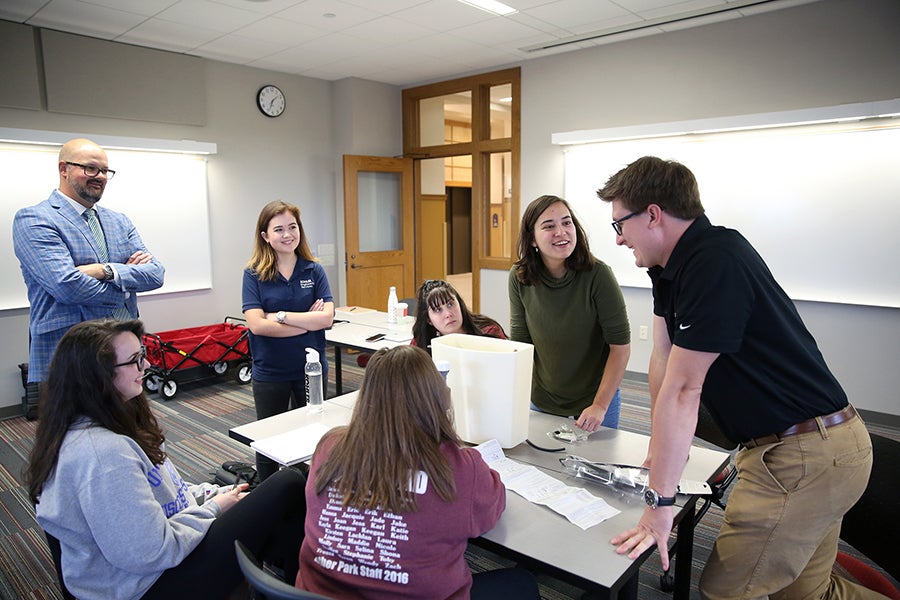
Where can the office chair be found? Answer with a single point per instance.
(268, 586)
(411, 305)
(709, 431)
(56, 555)
(864, 525)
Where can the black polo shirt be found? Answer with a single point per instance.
(717, 295)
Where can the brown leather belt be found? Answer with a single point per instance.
(808, 426)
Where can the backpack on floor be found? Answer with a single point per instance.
(235, 472)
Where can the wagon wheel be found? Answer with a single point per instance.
(220, 367)
(151, 382)
(242, 373)
(167, 389)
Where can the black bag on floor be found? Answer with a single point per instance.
(30, 399)
(235, 472)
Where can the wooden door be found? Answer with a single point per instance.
(378, 229)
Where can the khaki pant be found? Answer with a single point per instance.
(780, 532)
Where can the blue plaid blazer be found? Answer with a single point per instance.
(51, 239)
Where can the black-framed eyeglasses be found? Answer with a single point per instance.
(617, 224)
(137, 360)
(92, 171)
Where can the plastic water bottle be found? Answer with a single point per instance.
(392, 305)
(313, 372)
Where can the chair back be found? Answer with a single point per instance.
(56, 555)
(708, 430)
(411, 305)
(265, 585)
(863, 527)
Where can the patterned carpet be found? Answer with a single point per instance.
(196, 424)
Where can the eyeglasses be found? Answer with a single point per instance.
(617, 225)
(137, 360)
(92, 171)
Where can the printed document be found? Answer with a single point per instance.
(578, 505)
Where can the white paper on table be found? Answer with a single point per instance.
(578, 505)
(398, 336)
(291, 447)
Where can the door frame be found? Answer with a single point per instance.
(479, 148)
(405, 256)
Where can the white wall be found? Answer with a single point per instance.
(826, 53)
(258, 160)
(821, 54)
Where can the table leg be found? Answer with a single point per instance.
(684, 554)
(338, 375)
(628, 591)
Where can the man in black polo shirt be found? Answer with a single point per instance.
(726, 334)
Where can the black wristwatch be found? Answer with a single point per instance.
(654, 500)
(108, 272)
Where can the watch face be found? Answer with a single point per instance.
(270, 100)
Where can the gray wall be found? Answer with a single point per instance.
(294, 157)
(821, 54)
(826, 53)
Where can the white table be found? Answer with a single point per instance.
(537, 536)
(351, 330)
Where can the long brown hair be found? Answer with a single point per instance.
(400, 420)
(264, 261)
(80, 384)
(435, 293)
(530, 265)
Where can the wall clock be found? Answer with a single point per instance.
(270, 100)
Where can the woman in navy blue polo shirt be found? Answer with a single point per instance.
(288, 306)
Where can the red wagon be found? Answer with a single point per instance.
(194, 353)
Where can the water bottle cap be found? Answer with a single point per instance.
(312, 355)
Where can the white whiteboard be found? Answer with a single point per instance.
(821, 205)
(164, 195)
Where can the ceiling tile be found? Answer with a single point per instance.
(146, 8)
(168, 36)
(388, 29)
(316, 14)
(444, 15)
(394, 41)
(282, 30)
(266, 7)
(572, 13)
(238, 49)
(73, 16)
(217, 17)
(20, 10)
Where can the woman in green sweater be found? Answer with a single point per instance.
(569, 306)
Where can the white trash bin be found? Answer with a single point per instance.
(490, 386)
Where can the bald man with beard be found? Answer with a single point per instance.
(74, 272)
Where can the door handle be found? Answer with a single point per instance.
(354, 266)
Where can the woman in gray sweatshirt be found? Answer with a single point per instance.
(128, 525)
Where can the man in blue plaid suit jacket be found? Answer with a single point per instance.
(70, 275)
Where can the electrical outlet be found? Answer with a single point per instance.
(644, 332)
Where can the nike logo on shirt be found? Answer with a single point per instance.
(682, 327)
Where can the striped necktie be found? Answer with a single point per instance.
(120, 312)
(94, 223)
